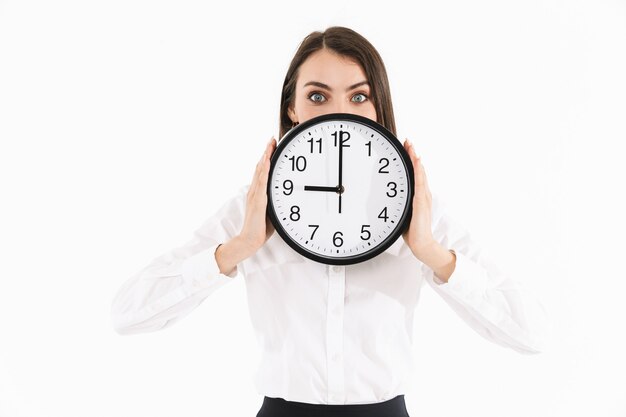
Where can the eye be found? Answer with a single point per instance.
(317, 97)
(360, 98)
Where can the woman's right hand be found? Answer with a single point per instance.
(257, 227)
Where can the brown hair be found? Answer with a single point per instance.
(348, 43)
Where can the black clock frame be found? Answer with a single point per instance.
(405, 219)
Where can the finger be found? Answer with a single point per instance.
(265, 168)
(271, 146)
(411, 150)
(425, 181)
(421, 181)
(259, 181)
(269, 150)
(418, 170)
(407, 147)
(426, 187)
(266, 152)
(255, 178)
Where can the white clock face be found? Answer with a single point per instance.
(332, 214)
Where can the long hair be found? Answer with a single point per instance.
(348, 43)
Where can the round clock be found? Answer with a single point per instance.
(340, 188)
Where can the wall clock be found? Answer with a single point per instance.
(340, 188)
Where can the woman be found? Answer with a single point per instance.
(333, 338)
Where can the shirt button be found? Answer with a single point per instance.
(336, 268)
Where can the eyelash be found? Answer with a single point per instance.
(318, 102)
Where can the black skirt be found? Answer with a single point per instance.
(279, 407)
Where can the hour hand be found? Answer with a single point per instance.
(320, 188)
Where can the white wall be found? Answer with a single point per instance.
(124, 124)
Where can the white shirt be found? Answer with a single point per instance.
(331, 334)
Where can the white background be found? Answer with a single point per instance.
(125, 124)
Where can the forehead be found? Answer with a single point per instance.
(330, 68)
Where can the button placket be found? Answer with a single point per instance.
(334, 334)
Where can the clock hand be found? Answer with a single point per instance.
(340, 186)
(339, 203)
(320, 188)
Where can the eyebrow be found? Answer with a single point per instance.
(322, 85)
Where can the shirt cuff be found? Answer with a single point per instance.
(468, 278)
(202, 268)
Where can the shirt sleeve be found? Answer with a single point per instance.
(496, 306)
(176, 282)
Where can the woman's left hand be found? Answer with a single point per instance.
(419, 234)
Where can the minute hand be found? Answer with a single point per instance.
(340, 186)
